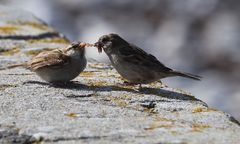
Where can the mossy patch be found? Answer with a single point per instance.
(100, 66)
(127, 96)
(96, 65)
(35, 25)
(164, 119)
(202, 109)
(151, 110)
(156, 125)
(161, 122)
(5, 86)
(97, 83)
(50, 40)
(72, 115)
(87, 74)
(196, 127)
(175, 133)
(117, 101)
(98, 73)
(11, 51)
(114, 76)
(8, 29)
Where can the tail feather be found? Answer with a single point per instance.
(186, 75)
(14, 66)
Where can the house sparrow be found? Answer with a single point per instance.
(134, 64)
(59, 65)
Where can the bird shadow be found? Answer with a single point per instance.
(168, 94)
(74, 85)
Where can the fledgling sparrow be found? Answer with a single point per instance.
(59, 65)
(134, 64)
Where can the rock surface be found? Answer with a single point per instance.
(94, 108)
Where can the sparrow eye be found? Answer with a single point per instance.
(104, 40)
(75, 45)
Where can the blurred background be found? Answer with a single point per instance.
(197, 36)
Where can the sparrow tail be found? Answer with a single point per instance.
(14, 66)
(186, 75)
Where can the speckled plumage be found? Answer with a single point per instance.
(58, 65)
(133, 63)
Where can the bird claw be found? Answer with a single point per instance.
(125, 83)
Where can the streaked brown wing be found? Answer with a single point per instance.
(136, 55)
(55, 59)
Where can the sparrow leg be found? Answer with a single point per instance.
(126, 83)
(140, 86)
(162, 85)
(160, 82)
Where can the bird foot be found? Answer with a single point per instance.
(162, 85)
(126, 83)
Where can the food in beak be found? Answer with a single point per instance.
(83, 45)
(99, 46)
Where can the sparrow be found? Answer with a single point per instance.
(134, 64)
(58, 65)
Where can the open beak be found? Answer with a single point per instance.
(99, 46)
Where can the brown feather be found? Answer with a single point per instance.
(54, 58)
(136, 55)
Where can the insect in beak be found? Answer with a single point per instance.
(84, 45)
(99, 46)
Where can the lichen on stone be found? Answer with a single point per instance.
(198, 127)
(12, 51)
(49, 40)
(160, 124)
(8, 29)
(97, 83)
(5, 86)
(87, 74)
(203, 109)
(35, 25)
(72, 115)
(117, 101)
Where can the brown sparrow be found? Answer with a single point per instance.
(59, 65)
(134, 64)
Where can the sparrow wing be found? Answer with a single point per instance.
(55, 58)
(136, 55)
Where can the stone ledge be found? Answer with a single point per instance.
(95, 107)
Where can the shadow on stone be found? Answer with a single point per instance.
(168, 94)
(36, 82)
(151, 91)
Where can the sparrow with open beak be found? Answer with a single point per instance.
(59, 65)
(134, 64)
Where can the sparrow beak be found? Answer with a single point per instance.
(99, 46)
(82, 45)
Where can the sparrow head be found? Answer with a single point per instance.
(76, 48)
(110, 43)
